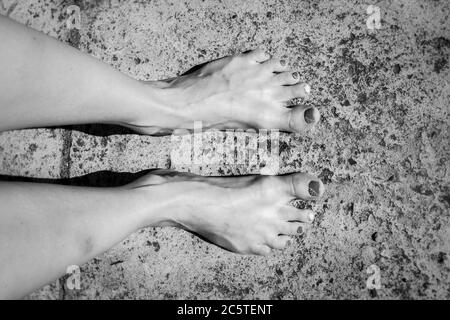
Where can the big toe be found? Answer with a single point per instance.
(304, 186)
(298, 118)
(257, 55)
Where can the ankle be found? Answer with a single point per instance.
(156, 205)
(154, 106)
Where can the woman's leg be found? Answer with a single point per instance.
(46, 228)
(44, 82)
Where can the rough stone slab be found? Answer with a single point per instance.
(32, 153)
(47, 153)
(382, 146)
(117, 153)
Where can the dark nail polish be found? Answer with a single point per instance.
(314, 188)
(288, 243)
(295, 75)
(309, 115)
(283, 63)
(300, 230)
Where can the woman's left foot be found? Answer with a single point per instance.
(248, 90)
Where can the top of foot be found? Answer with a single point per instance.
(247, 215)
(247, 90)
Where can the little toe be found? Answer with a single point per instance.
(286, 78)
(257, 55)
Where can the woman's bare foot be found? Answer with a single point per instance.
(248, 215)
(248, 90)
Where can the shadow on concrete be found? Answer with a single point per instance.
(101, 130)
(96, 179)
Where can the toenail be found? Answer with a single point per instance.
(288, 243)
(309, 115)
(295, 75)
(299, 230)
(282, 63)
(307, 88)
(314, 188)
(311, 216)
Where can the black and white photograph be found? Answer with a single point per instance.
(224, 150)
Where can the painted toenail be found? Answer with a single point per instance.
(300, 230)
(282, 63)
(314, 188)
(309, 115)
(295, 75)
(288, 243)
(307, 88)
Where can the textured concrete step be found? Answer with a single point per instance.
(39, 153)
(59, 153)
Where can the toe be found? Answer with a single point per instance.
(276, 65)
(300, 118)
(291, 228)
(280, 242)
(286, 93)
(311, 115)
(297, 119)
(290, 213)
(293, 119)
(303, 186)
(257, 55)
(286, 78)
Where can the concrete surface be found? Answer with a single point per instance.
(65, 154)
(382, 147)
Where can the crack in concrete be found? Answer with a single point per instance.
(65, 166)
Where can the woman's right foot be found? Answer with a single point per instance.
(248, 90)
(248, 215)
